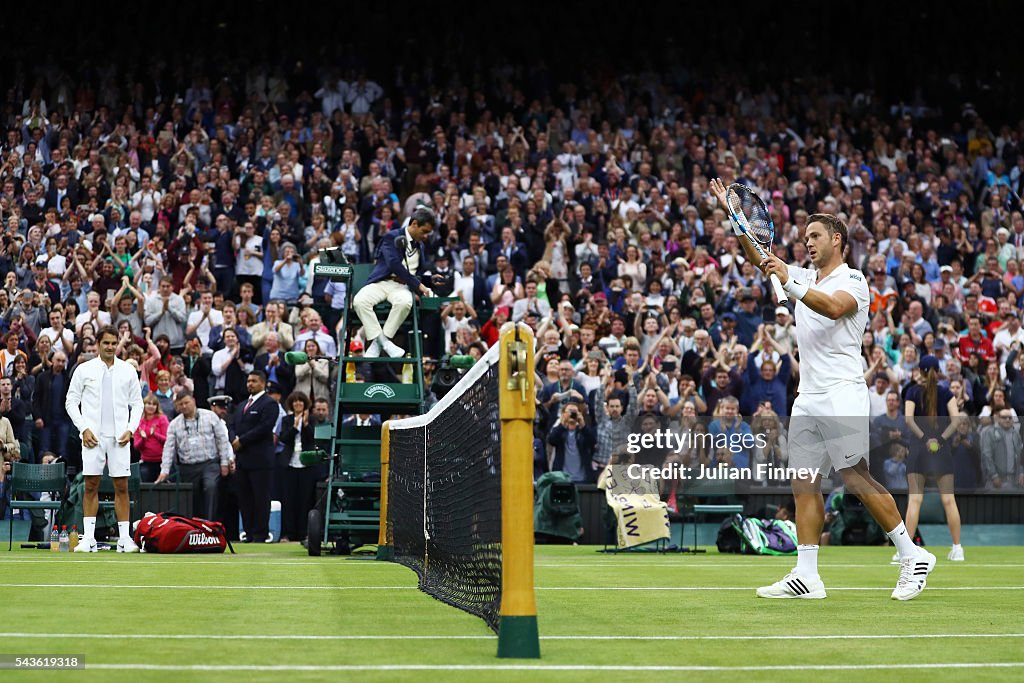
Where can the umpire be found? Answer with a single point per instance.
(401, 260)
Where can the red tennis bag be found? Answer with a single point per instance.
(164, 532)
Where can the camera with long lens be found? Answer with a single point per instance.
(449, 371)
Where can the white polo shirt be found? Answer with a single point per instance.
(830, 350)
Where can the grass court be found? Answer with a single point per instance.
(271, 613)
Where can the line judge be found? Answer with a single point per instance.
(105, 403)
(395, 278)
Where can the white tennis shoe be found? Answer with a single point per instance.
(794, 585)
(373, 350)
(956, 554)
(391, 348)
(914, 573)
(126, 545)
(86, 545)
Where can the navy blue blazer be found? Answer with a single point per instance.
(254, 428)
(391, 261)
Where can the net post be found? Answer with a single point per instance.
(384, 549)
(517, 627)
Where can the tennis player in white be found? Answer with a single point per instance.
(829, 421)
(105, 403)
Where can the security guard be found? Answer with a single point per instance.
(443, 279)
(227, 493)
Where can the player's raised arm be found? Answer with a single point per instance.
(833, 306)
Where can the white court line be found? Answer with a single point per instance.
(223, 563)
(772, 563)
(748, 588)
(769, 562)
(206, 587)
(783, 561)
(292, 636)
(542, 667)
(539, 588)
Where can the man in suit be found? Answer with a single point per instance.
(62, 187)
(273, 322)
(362, 420)
(472, 287)
(271, 362)
(230, 208)
(513, 250)
(394, 279)
(48, 401)
(254, 456)
(104, 402)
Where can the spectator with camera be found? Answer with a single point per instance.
(573, 440)
(230, 366)
(557, 395)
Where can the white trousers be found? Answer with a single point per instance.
(397, 293)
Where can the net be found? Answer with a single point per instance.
(749, 207)
(444, 494)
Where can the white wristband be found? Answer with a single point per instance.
(795, 289)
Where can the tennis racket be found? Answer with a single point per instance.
(750, 213)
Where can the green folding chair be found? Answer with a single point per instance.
(29, 478)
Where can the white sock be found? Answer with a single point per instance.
(90, 528)
(122, 531)
(807, 561)
(956, 546)
(902, 540)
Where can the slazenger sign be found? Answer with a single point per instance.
(332, 269)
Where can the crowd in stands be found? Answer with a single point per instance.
(190, 218)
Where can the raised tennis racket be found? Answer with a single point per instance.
(750, 213)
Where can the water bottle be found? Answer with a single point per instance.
(54, 539)
(63, 539)
(350, 373)
(73, 538)
(407, 372)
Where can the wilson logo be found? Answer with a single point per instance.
(202, 539)
(375, 389)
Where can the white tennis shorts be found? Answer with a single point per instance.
(830, 430)
(107, 452)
